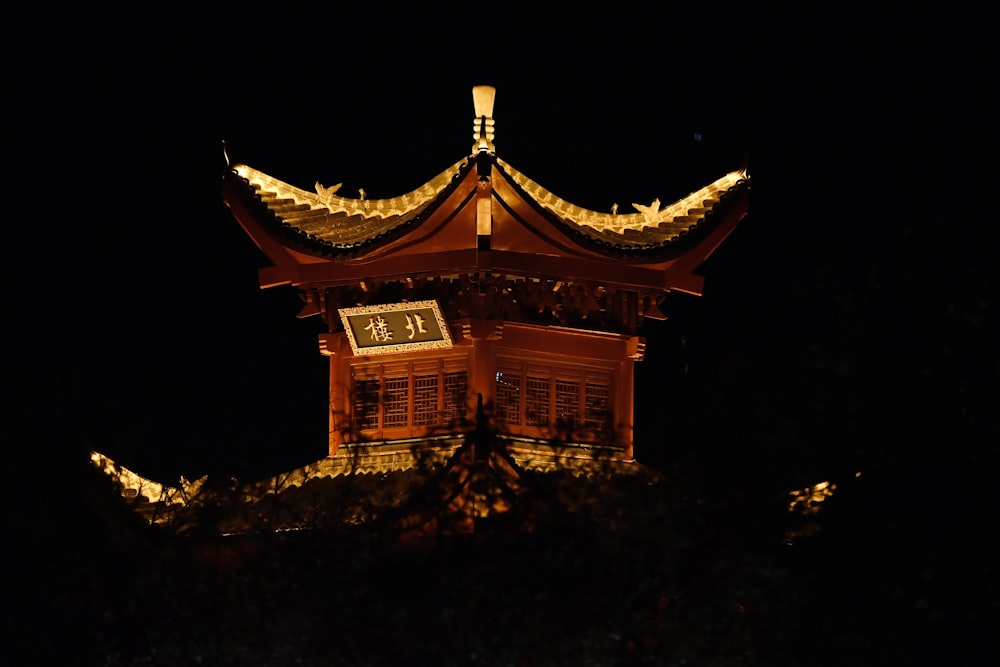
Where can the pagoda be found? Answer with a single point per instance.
(481, 295)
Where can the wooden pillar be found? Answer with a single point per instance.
(626, 396)
(635, 351)
(483, 334)
(333, 346)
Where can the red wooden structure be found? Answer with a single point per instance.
(481, 283)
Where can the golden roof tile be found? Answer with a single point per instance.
(652, 226)
(329, 218)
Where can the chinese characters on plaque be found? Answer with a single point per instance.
(396, 327)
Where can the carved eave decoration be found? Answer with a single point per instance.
(300, 231)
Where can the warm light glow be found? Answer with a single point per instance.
(482, 99)
(328, 198)
(648, 216)
(165, 504)
(484, 216)
(483, 127)
(135, 487)
(807, 500)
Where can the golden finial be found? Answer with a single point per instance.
(483, 129)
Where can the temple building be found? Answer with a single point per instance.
(481, 295)
(477, 329)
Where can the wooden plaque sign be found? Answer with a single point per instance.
(395, 327)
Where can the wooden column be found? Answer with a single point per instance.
(483, 334)
(333, 346)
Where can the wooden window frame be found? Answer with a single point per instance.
(396, 379)
(579, 420)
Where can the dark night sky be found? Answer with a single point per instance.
(849, 323)
(158, 348)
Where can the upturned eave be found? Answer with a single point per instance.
(433, 231)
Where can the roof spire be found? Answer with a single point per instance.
(482, 99)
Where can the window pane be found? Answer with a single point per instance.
(425, 400)
(508, 408)
(366, 396)
(567, 401)
(397, 399)
(597, 406)
(456, 388)
(536, 404)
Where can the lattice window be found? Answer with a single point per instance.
(397, 402)
(425, 400)
(573, 398)
(597, 406)
(536, 401)
(366, 400)
(508, 401)
(403, 396)
(567, 401)
(456, 389)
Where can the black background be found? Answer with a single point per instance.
(848, 323)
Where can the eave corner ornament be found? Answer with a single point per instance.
(651, 213)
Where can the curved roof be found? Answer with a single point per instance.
(324, 222)
(328, 221)
(652, 227)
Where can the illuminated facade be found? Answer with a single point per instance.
(481, 284)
